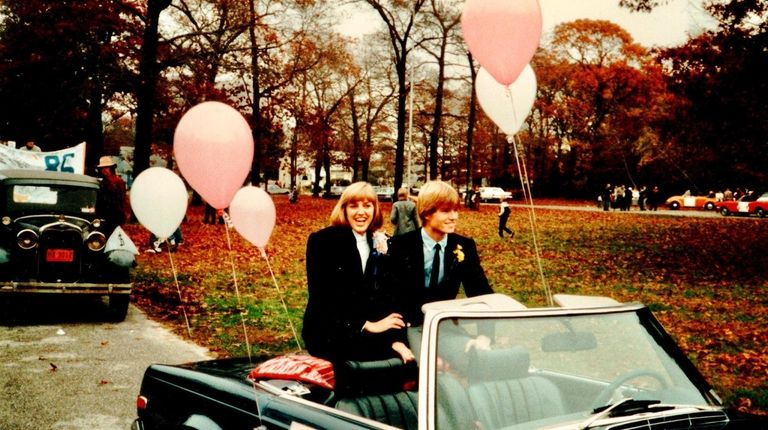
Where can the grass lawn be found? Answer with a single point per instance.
(704, 278)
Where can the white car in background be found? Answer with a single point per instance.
(496, 194)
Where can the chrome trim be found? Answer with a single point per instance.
(27, 230)
(102, 241)
(69, 217)
(60, 223)
(67, 288)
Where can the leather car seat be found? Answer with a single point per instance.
(503, 392)
(378, 390)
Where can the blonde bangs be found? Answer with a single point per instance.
(359, 191)
(434, 196)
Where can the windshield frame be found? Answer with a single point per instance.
(429, 346)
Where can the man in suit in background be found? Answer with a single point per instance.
(431, 263)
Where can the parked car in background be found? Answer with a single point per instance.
(276, 189)
(754, 203)
(385, 194)
(52, 240)
(493, 194)
(685, 201)
(591, 363)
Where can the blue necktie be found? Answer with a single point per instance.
(434, 277)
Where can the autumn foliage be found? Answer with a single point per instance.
(704, 278)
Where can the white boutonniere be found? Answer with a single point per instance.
(459, 253)
(380, 242)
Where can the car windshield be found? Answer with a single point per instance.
(547, 370)
(43, 198)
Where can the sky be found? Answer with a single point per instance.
(668, 25)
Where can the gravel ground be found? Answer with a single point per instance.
(63, 368)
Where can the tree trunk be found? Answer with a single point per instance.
(472, 118)
(146, 93)
(95, 140)
(255, 113)
(356, 145)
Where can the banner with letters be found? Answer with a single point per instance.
(69, 160)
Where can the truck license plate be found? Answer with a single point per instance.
(60, 255)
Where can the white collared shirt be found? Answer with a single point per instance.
(362, 248)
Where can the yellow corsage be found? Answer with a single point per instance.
(458, 253)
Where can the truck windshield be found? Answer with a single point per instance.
(65, 199)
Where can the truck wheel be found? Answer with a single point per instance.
(118, 307)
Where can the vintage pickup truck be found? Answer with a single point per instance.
(53, 241)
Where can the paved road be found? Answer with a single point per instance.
(634, 211)
(63, 368)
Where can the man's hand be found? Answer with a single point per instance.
(480, 343)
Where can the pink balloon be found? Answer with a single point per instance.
(502, 35)
(253, 215)
(213, 145)
(507, 106)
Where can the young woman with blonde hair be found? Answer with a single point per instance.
(346, 316)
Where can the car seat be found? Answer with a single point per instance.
(380, 390)
(503, 392)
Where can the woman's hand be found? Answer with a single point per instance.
(405, 353)
(380, 242)
(391, 321)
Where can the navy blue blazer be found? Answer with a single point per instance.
(342, 298)
(405, 282)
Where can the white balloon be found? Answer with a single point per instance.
(253, 215)
(507, 106)
(159, 200)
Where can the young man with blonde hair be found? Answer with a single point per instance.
(431, 263)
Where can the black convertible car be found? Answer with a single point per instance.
(591, 363)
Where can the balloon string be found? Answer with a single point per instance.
(227, 223)
(282, 299)
(508, 92)
(528, 196)
(178, 289)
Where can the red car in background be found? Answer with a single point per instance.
(752, 203)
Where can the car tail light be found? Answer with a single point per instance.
(26, 239)
(96, 241)
(141, 402)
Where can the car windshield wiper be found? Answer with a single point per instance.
(625, 406)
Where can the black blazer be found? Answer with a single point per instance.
(342, 298)
(406, 270)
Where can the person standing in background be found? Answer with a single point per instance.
(30, 146)
(504, 212)
(404, 213)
